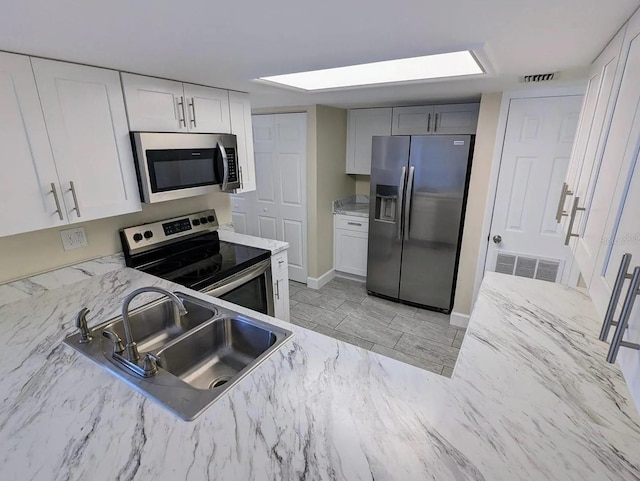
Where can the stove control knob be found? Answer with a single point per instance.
(148, 234)
(211, 218)
(137, 237)
(195, 221)
(203, 220)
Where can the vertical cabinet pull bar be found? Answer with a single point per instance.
(403, 174)
(278, 289)
(572, 218)
(182, 119)
(563, 196)
(435, 124)
(617, 342)
(55, 197)
(615, 297)
(428, 122)
(193, 111)
(75, 198)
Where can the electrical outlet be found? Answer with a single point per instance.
(73, 238)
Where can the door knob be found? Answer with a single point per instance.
(497, 239)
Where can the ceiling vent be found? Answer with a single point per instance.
(540, 77)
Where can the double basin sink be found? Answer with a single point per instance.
(199, 355)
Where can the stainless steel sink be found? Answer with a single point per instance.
(156, 324)
(216, 352)
(200, 356)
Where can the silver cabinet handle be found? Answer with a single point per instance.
(623, 273)
(407, 206)
(563, 196)
(278, 289)
(75, 198)
(403, 175)
(617, 342)
(572, 219)
(55, 197)
(280, 261)
(241, 177)
(183, 119)
(354, 223)
(225, 167)
(192, 104)
(428, 122)
(435, 124)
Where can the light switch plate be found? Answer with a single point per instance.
(73, 238)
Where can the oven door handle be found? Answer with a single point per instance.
(220, 288)
(225, 166)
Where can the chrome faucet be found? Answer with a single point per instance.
(132, 356)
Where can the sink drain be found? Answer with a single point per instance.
(219, 382)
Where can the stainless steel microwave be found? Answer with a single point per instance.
(174, 165)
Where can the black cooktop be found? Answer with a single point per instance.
(198, 262)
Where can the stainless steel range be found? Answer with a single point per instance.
(188, 251)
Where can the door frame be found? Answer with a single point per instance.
(507, 96)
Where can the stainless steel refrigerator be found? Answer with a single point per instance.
(418, 198)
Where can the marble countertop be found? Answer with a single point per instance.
(356, 205)
(531, 398)
(275, 246)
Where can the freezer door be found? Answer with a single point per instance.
(435, 196)
(389, 166)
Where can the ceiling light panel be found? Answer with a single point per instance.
(446, 65)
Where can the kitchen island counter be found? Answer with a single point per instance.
(531, 398)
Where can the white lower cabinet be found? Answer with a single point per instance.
(280, 276)
(350, 244)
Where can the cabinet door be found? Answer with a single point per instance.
(455, 119)
(207, 109)
(26, 197)
(363, 125)
(351, 251)
(153, 104)
(596, 223)
(241, 127)
(412, 120)
(87, 124)
(589, 147)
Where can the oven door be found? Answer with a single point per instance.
(173, 166)
(251, 288)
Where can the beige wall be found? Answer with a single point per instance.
(363, 184)
(478, 190)
(34, 252)
(332, 182)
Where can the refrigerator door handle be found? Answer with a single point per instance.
(407, 207)
(403, 174)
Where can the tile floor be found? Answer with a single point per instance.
(343, 310)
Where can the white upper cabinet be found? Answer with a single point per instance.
(85, 117)
(241, 127)
(363, 124)
(435, 119)
(153, 104)
(30, 187)
(159, 105)
(412, 120)
(455, 119)
(207, 109)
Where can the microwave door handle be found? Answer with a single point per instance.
(225, 166)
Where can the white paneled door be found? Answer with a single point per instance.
(525, 238)
(278, 207)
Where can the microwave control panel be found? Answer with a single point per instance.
(233, 165)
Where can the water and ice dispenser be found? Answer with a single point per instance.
(386, 202)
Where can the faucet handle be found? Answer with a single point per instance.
(149, 365)
(81, 324)
(115, 339)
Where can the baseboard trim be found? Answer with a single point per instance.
(353, 277)
(318, 282)
(459, 320)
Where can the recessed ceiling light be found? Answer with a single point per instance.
(443, 65)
